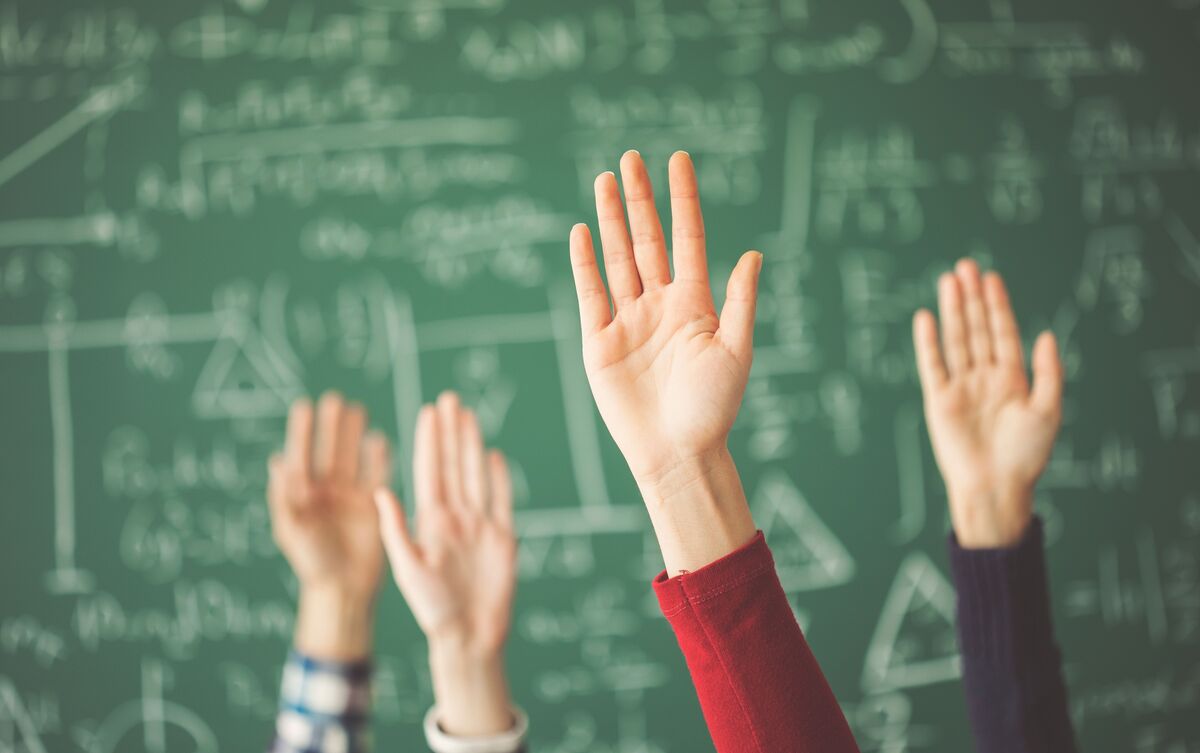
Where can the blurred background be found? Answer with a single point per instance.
(208, 209)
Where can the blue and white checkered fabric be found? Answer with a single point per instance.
(323, 707)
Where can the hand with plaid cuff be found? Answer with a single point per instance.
(457, 570)
(323, 520)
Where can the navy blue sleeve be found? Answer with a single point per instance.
(1012, 667)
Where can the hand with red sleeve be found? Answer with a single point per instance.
(668, 374)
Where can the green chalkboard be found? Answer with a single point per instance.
(207, 209)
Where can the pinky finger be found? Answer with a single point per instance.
(500, 483)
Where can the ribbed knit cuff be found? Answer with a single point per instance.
(1004, 601)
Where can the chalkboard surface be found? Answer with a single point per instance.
(207, 209)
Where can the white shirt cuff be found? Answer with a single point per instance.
(505, 742)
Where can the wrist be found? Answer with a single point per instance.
(698, 509)
(334, 624)
(470, 688)
(991, 517)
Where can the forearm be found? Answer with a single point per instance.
(1011, 664)
(699, 511)
(334, 625)
(325, 695)
(470, 690)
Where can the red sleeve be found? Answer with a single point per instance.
(759, 685)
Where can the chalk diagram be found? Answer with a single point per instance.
(807, 554)
(914, 642)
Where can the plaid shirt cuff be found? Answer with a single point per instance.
(323, 707)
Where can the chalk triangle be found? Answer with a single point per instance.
(808, 556)
(243, 378)
(914, 642)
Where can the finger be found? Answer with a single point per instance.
(1006, 338)
(329, 419)
(347, 460)
(687, 223)
(474, 478)
(427, 466)
(298, 445)
(954, 324)
(1046, 396)
(288, 492)
(930, 367)
(277, 468)
(500, 487)
(451, 456)
(393, 529)
(741, 297)
(594, 310)
(376, 461)
(649, 245)
(623, 281)
(979, 336)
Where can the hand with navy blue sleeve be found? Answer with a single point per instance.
(993, 431)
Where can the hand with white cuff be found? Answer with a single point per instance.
(457, 572)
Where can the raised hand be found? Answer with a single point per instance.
(666, 371)
(458, 572)
(323, 520)
(992, 433)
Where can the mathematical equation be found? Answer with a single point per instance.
(207, 212)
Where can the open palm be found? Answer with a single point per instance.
(667, 373)
(992, 433)
(320, 496)
(458, 572)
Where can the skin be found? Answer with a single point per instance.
(667, 372)
(457, 568)
(323, 520)
(992, 430)
(332, 516)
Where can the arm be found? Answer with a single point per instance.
(992, 435)
(322, 518)
(668, 375)
(458, 575)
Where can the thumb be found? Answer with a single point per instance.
(393, 529)
(741, 298)
(1046, 396)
